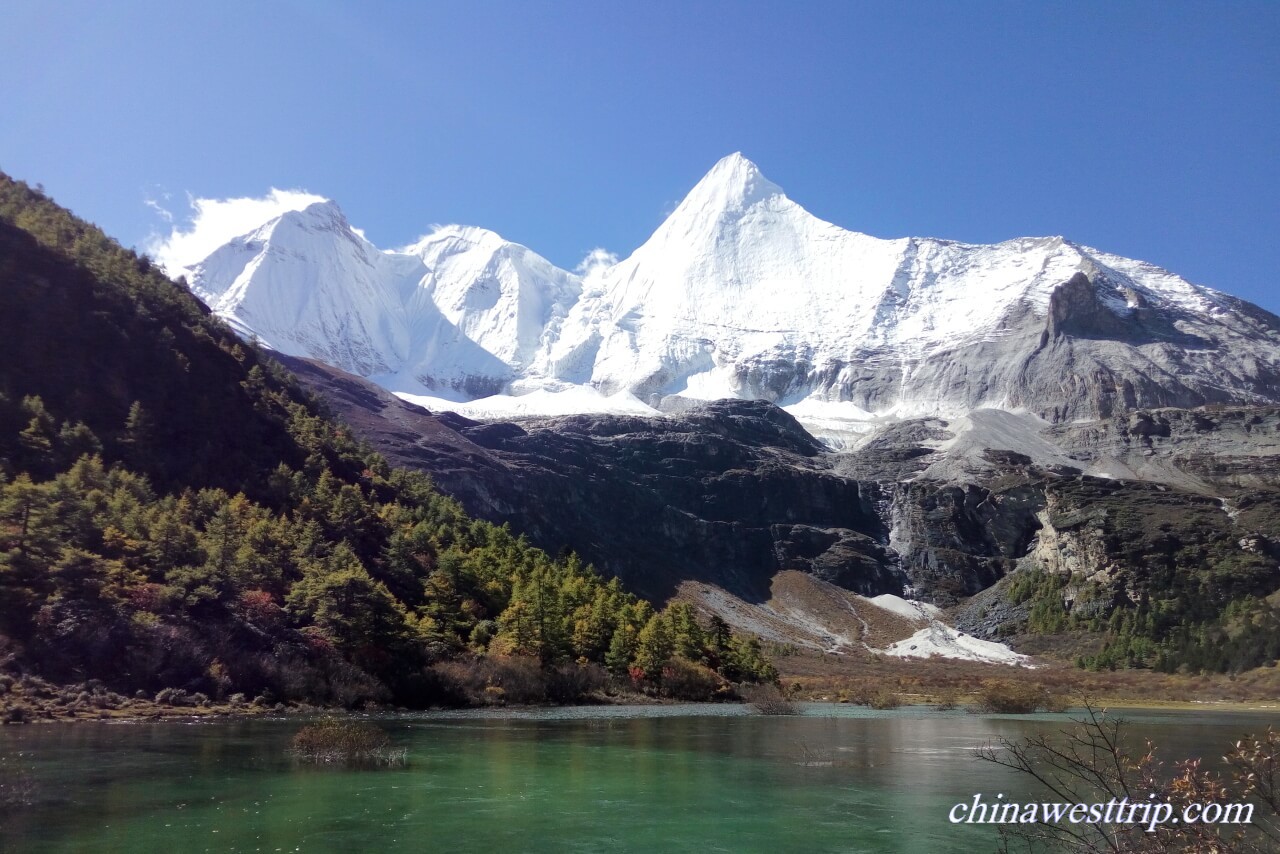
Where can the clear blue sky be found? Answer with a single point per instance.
(1150, 129)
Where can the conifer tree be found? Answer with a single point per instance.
(654, 647)
(36, 440)
(686, 634)
(139, 433)
(622, 648)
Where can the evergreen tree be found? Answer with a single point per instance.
(622, 648)
(654, 648)
(139, 433)
(76, 441)
(37, 438)
(687, 635)
(357, 613)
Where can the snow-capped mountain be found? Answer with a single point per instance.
(307, 284)
(462, 312)
(742, 293)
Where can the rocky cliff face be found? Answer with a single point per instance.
(1213, 449)
(731, 493)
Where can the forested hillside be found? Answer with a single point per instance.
(175, 513)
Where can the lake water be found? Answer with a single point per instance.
(652, 779)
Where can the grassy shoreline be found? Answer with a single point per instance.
(45, 702)
(863, 681)
(149, 711)
(854, 678)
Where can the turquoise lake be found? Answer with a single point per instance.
(665, 778)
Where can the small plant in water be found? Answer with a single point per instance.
(814, 757)
(766, 699)
(332, 741)
(882, 700)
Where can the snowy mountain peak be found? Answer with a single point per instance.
(742, 293)
(327, 210)
(733, 185)
(292, 226)
(315, 215)
(452, 239)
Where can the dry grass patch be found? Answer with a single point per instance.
(332, 741)
(857, 677)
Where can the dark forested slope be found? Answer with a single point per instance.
(176, 513)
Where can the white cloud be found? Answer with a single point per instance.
(161, 211)
(213, 222)
(596, 260)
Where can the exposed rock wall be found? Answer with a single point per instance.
(731, 493)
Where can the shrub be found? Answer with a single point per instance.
(492, 681)
(1010, 698)
(860, 695)
(259, 607)
(350, 686)
(885, 700)
(947, 698)
(173, 697)
(1052, 702)
(569, 682)
(333, 741)
(17, 715)
(766, 699)
(688, 680)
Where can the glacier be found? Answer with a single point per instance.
(741, 293)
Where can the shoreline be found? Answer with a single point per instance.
(40, 702)
(966, 686)
(148, 711)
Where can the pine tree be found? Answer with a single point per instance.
(76, 441)
(139, 434)
(443, 602)
(622, 648)
(593, 627)
(357, 613)
(718, 639)
(36, 440)
(687, 635)
(654, 648)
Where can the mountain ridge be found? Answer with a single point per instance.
(741, 293)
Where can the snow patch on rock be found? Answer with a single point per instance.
(943, 641)
(571, 400)
(909, 608)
